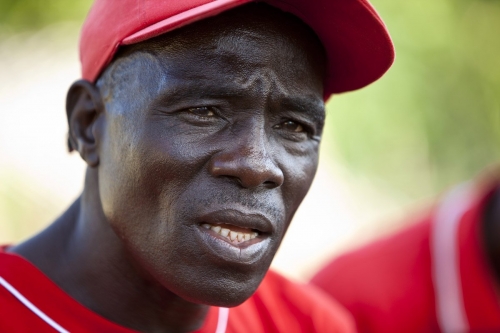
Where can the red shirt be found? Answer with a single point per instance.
(430, 277)
(30, 302)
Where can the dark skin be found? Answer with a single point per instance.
(217, 123)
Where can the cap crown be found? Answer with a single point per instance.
(358, 46)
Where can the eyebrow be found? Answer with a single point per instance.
(178, 91)
(310, 106)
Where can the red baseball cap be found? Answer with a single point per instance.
(358, 45)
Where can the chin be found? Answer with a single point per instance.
(228, 291)
(227, 299)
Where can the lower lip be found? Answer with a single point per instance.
(246, 253)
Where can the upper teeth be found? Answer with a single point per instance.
(233, 236)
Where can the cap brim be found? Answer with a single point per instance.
(192, 15)
(359, 48)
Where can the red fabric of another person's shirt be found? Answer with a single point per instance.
(388, 285)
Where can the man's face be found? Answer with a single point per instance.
(210, 143)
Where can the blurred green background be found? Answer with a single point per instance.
(31, 15)
(433, 120)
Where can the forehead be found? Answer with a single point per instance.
(251, 45)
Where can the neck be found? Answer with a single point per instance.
(90, 262)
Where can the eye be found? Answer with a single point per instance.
(202, 111)
(290, 126)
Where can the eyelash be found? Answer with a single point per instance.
(306, 129)
(211, 109)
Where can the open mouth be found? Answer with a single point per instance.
(232, 234)
(236, 236)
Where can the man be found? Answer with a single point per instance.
(200, 124)
(441, 274)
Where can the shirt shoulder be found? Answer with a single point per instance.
(281, 305)
(15, 316)
(386, 284)
(31, 302)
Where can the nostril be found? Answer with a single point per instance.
(237, 180)
(249, 171)
(269, 184)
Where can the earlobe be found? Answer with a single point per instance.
(83, 109)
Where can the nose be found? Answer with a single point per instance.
(248, 160)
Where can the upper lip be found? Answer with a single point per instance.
(256, 221)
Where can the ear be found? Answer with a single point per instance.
(83, 109)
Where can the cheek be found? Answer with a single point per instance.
(140, 178)
(145, 166)
(298, 179)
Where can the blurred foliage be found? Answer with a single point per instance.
(434, 119)
(24, 208)
(29, 15)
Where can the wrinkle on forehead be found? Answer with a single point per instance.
(262, 55)
(265, 81)
(266, 57)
